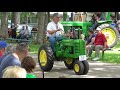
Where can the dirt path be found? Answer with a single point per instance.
(97, 70)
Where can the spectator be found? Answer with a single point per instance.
(10, 32)
(21, 33)
(27, 33)
(14, 72)
(9, 50)
(14, 28)
(99, 44)
(29, 64)
(97, 18)
(54, 29)
(14, 58)
(3, 46)
(90, 42)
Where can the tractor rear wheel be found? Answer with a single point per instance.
(69, 63)
(45, 57)
(86, 67)
(78, 67)
(110, 33)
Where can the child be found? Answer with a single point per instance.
(14, 72)
(29, 64)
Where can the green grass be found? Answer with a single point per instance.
(111, 56)
(34, 48)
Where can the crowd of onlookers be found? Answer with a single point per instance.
(23, 33)
(15, 62)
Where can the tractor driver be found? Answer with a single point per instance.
(97, 18)
(55, 30)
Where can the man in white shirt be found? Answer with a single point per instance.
(55, 30)
(21, 33)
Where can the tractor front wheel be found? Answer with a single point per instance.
(86, 67)
(45, 58)
(78, 67)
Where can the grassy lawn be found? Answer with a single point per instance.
(111, 56)
(34, 48)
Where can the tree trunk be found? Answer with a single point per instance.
(4, 24)
(48, 13)
(26, 19)
(16, 18)
(46, 21)
(40, 31)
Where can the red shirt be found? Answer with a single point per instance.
(100, 40)
(1, 54)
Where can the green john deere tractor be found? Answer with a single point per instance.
(70, 50)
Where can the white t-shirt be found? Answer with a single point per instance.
(22, 31)
(27, 32)
(53, 26)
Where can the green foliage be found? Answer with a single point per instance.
(34, 48)
(24, 15)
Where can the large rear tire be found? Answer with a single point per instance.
(45, 58)
(111, 34)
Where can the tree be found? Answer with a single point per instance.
(41, 24)
(16, 18)
(4, 24)
(25, 17)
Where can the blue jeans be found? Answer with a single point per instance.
(52, 40)
(95, 25)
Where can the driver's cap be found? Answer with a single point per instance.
(56, 15)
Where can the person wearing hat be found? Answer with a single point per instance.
(3, 46)
(100, 43)
(15, 58)
(55, 30)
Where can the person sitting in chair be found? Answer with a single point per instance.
(21, 33)
(27, 33)
(90, 41)
(100, 43)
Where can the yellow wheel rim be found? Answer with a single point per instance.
(43, 57)
(110, 35)
(69, 61)
(76, 67)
